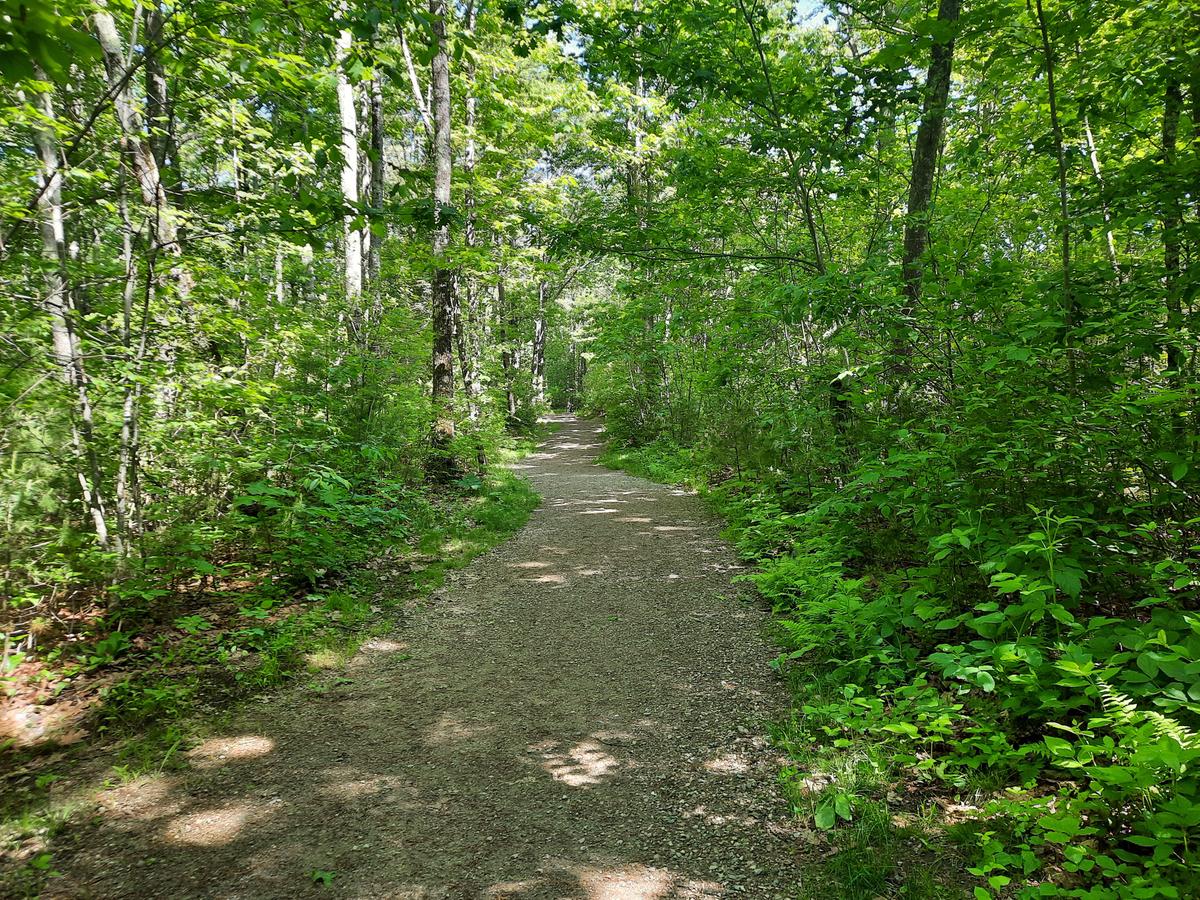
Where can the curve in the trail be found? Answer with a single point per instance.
(577, 715)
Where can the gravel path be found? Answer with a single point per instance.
(577, 715)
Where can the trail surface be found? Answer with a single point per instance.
(577, 715)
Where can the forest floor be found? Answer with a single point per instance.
(579, 713)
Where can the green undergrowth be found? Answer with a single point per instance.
(967, 718)
(169, 685)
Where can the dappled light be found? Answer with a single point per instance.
(627, 883)
(504, 744)
(220, 750)
(586, 763)
(212, 827)
(451, 729)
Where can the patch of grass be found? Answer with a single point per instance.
(663, 462)
(877, 857)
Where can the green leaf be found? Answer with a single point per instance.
(825, 816)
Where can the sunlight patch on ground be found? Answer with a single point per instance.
(727, 764)
(450, 729)
(547, 579)
(220, 750)
(585, 764)
(325, 658)
(383, 645)
(531, 564)
(212, 827)
(634, 520)
(626, 883)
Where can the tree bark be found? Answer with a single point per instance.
(1110, 243)
(1070, 304)
(539, 348)
(443, 276)
(470, 343)
(68, 356)
(925, 160)
(509, 363)
(377, 175)
(352, 237)
(138, 149)
(160, 118)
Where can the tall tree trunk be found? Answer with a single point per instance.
(470, 338)
(68, 357)
(377, 174)
(352, 237)
(924, 167)
(127, 485)
(138, 149)
(509, 362)
(159, 114)
(539, 348)
(1070, 303)
(136, 145)
(443, 276)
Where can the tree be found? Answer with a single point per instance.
(443, 294)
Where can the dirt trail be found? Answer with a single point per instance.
(577, 715)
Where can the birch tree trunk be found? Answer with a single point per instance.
(539, 348)
(509, 362)
(65, 347)
(443, 277)
(470, 347)
(353, 241)
(137, 146)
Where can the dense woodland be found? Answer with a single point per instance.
(909, 290)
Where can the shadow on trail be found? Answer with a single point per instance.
(575, 717)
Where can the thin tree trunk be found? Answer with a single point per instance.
(159, 114)
(137, 149)
(141, 156)
(508, 358)
(799, 184)
(470, 340)
(68, 357)
(924, 167)
(443, 276)
(377, 175)
(1070, 306)
(352, 237)
(127, 486)
(1110, 244)
(539, 348)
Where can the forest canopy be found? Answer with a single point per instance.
(909, 289)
